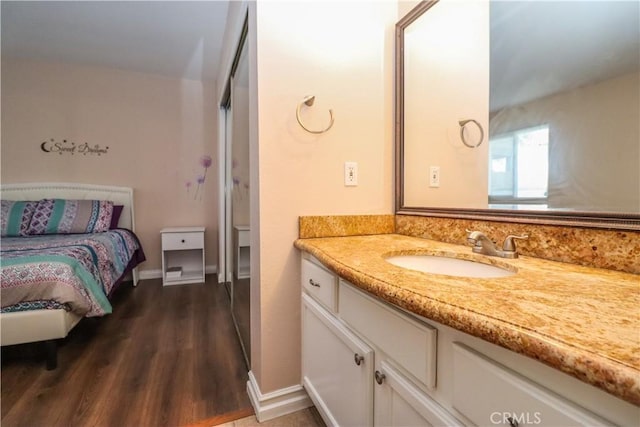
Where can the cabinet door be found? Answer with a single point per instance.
(400, 403)
(337, 368)
(491, 394)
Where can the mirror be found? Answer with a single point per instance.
(553, 89)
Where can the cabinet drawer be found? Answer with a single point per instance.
(243, 238)
(319, 283)
(411, 344)
(176, 241)
(488, 393)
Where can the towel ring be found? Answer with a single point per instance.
(462, 124)
(308, 100)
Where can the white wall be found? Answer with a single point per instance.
(343, 54)
(157, 128)
(446, 79)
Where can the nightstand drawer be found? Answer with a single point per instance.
(177, 241)
(243, 238)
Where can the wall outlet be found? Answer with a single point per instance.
(434, 176)
(350, 174)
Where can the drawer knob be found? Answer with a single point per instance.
(312, 283)
(379, 377)
(182, 240)
(358, 359)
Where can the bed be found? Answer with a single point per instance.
(51, 281)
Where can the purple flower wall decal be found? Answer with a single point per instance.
(205, 162)
(200, 180)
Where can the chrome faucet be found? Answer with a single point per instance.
(483, 245)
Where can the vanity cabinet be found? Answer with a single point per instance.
(337, 368)
(410, 343)
(377, 355)
(398, 402)
(414, 371)
(405, 351)
(489, 393)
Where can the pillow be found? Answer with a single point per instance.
(60, 216)
(115, 218)
(15, 217)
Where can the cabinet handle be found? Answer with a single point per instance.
(512, 422)
(358, 359)
(312, 283)
(380, 377)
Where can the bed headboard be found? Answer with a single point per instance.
(62, 190)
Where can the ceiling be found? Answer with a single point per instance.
(590, 40)
(181, 39)
(539, 48)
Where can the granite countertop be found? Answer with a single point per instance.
(583, 321)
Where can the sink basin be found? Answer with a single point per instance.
(448, 266)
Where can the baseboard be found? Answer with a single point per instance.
(150, 274)
(157, 273)
(276, 403)
(223, 419)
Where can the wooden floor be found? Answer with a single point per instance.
(167, 356)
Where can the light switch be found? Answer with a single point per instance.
(434, 176)
(350, 174)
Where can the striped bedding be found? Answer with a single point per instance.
(76, 272)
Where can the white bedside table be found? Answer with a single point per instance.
(182, 250)
(242, 245)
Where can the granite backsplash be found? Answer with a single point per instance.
(593, 247)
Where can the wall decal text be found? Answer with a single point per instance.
(69, 147)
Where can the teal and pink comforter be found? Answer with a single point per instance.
(77, 272)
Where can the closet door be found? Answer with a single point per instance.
(240, 207)
(234, 209)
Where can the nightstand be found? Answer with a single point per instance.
(242, 247)
(182, 255)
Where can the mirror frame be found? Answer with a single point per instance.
(610, 220)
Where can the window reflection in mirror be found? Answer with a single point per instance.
(519, 168)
